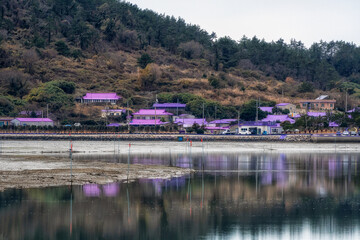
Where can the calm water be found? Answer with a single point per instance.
(265, 195)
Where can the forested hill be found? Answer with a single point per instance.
(107, 45)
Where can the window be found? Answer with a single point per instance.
(304, 104)
(331, 105)
(322, 105)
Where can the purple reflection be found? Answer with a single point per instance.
(91, 190)
(111, 189)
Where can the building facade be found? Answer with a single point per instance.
(152, 114)
(318, 104)
(32, 122)
(5, 121)
(112, 112)
(175, 108)
(100, 98)
(287, 106)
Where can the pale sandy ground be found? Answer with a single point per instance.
(98, 147)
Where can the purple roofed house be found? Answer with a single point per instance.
(316, 114)
(266, 109)
(146, 122)
(333, 124)
(100, 98)
(221, 124)
(189, 122)
(287, 106)
(278, 118)
(32, 122)
(113, 125)
(175, 108)
(147, 114)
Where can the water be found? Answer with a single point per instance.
(234, 195)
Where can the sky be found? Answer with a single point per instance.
(308, 21)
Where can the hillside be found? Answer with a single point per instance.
(106, 45)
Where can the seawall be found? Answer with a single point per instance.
(158, 137)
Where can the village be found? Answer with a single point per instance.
(175, 117)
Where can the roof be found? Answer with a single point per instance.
(259, 123)
(144, 122)
(266, 109)
(191, 121)
(186, 115)
(282, 104)
(278, 118)
(113, 110)
(34, 119)
(321, 97)
(107, 96)
(333, 124)
(216, 128)
(169, 105)
(152, 112)
(6, 118)
(223, 121)
(113, 125)
(316, 114)
(318, 101)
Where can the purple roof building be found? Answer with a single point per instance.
(146, 122)
(266, 109)
(32, 122)
(175, 108)
(278, 118)
(189, 122)
(149, 114)
(100, 98)
(316, 114)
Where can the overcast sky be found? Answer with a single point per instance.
(306, 20)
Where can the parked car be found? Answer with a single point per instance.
(345, 133)
(245, 133)
(353, 133)
(77, 124)
(228, 132)
(338, 133)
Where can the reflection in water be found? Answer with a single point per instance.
(247, 196)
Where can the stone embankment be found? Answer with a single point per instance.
(160, 137)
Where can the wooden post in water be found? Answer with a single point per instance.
(128, 161)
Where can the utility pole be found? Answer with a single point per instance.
(215, 111)
(47, 110)
(127, 115)
(238, 121)
(177, 107)
(203, 114)
(346, 101)
(156, 101)
(257, 111)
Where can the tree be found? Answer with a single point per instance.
(149, 76)
(30, 58)
(62, 48)
(248, 111)
(306, 87)
(144, 60)
(15, 82)
(50, 93)
(191, 49)
(110, 31)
